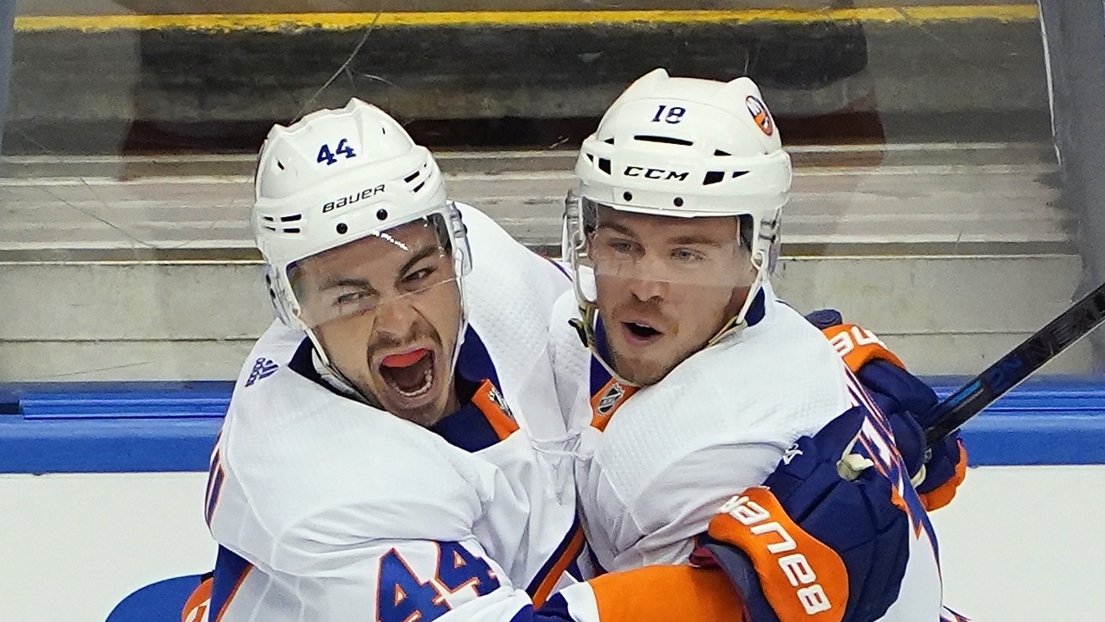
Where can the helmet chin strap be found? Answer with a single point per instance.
(585, 328)
(588, 313)
(738, 322)
(330, 374)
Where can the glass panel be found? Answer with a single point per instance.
(928, 202)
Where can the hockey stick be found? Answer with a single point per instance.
(1011, 369)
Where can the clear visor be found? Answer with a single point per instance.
(702, 252)
(416, 262)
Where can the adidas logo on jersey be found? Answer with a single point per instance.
(262, 368)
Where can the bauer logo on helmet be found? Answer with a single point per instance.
(352, 198)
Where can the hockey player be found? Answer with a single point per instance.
(701, 384)
(394, 449)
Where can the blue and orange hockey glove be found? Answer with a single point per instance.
(811, 544)
(905, 399)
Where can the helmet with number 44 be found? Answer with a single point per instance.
(365, 254)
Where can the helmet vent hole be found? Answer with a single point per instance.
(268, 228)
(609, 141)
(268, 219)
(713, 177)
(292, 230)
(628, 196)
(342, 228)
(667, 140)
(604, 165)
(411, 177)
(678, 201)
(719, 152)
(279, 165)
(381, 214)
(292, 218)
(590, 157)
(419, 187)
(737, 174)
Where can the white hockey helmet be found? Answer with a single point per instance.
(684, 147)
(338, 176)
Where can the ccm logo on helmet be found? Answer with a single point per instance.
(353, 198)
(653, 173)
(778, 542)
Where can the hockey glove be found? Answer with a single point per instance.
(811, 545)
(905, 399)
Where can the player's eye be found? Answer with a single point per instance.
(358, 297)
(419, 276)
(622, 246)
(687, 255)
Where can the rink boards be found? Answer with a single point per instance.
(103, 486)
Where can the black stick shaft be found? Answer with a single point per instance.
(1024, 360)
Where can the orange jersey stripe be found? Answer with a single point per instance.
(667, 593)
(233, 593)
(548, 584)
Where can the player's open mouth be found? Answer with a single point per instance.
(640, 333)
(410, 374)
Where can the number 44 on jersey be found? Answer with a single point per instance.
(403, 596)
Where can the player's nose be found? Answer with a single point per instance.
(645, 289)
(396, 316)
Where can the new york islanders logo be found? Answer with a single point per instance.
(760, 115)
(262, 368)
(497, 399)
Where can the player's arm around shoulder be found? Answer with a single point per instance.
(320, 575)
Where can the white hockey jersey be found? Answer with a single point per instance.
(328, 509)
(656, 463)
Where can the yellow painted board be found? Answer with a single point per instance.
(283, 22)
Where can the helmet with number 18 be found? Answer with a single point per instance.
(676, 224)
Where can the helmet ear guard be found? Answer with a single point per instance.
(282, 302)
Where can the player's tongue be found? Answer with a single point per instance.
(409, 373)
